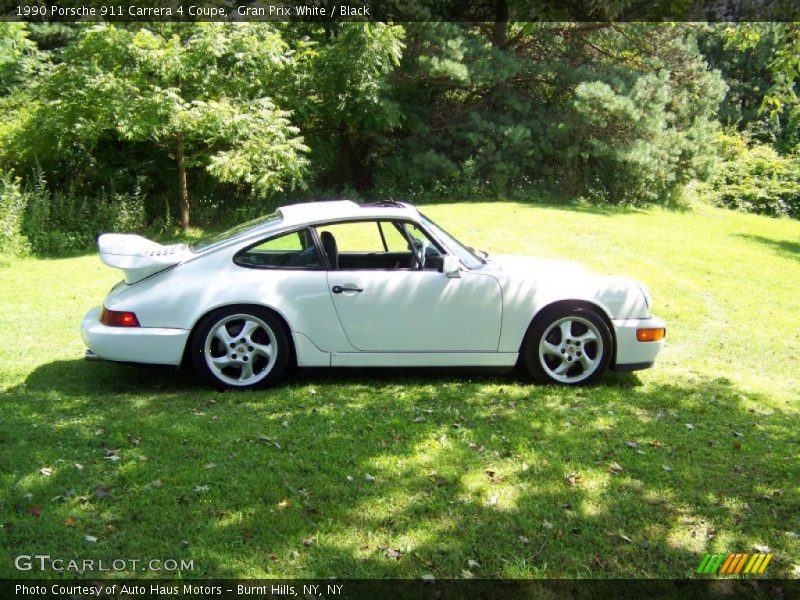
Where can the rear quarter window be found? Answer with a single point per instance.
(295, 250)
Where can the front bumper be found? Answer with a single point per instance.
(632, 354)
(147, 345)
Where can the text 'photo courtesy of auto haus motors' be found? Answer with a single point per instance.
(340, 284)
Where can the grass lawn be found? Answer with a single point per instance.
(400, 474)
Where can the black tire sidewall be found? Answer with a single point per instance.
(530, 351)
(207, 323)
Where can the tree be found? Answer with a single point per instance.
(780, 101)
(616, 113)
(21, 66)
(200, 91)
(342, 94)
(746, 71)
(20, 60)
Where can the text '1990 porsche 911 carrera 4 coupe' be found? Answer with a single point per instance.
(340, 284)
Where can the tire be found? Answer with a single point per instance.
(567, 346)
(240, 348)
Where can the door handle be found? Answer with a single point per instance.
(337, 289)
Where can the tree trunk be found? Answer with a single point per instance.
(182, 186)
(345, 157)
(500, 27)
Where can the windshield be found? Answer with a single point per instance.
(233, 232)
(464, 254)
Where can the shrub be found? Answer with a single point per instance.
(223, 210)
(755, 178)
(63, 222)
(12, 213)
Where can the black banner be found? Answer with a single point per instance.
(228, 589)
(400, 10)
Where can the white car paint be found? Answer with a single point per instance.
(419, 311)
(138, 257)
(402, 318)
(153, 345)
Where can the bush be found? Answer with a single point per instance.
(61, 223)
(220, 211)
(755, 178)
(12, 213)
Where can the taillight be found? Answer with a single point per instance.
(118, 318)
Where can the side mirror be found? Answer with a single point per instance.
(451, 266)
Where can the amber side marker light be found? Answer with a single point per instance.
(651, 334)
(117, 318)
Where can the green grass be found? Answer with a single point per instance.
(465, 466)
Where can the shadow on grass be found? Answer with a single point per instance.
(782, 247)
(92, 378)
(387, 474)
(82, 377)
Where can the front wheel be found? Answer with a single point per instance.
(567, 346)
(240, 348)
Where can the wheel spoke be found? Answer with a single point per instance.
(247, 329)
(562, 368)
(586, 362)
(222, 335)
(263, 350)
(566, 331)
(551, 349)
(247, 371)
(221, 361)
(589, 336)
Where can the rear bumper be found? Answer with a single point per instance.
(148, 345)
(633, 355)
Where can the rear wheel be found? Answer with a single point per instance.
(240, 348)
(570, 346)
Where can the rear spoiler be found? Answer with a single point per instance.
(138, 257)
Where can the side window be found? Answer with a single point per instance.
(424, 247)
(294, 250)
(396, 241)
(363, 236)
(380, 245)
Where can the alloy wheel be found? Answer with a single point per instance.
(240, 350)
(571, 349)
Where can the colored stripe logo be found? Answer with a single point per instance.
(733, 564)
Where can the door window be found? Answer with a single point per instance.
(361, 237)
(382, 245)
(427, 252)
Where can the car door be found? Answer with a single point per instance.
(386, 302)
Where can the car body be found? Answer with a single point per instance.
(341, 284)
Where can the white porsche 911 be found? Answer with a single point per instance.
(340, 284)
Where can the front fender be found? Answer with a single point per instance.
(616, 297)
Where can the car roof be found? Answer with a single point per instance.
(307, 213)
(294, 216)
